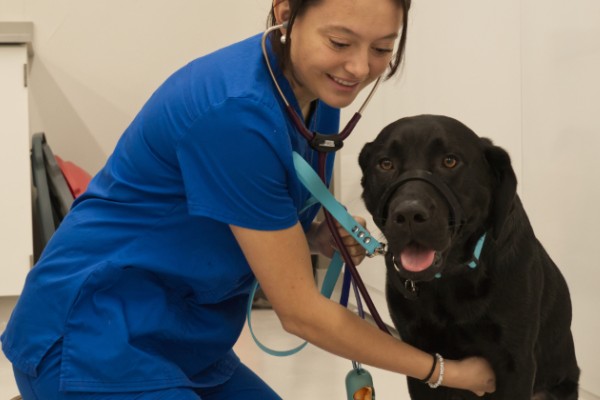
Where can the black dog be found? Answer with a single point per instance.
(465, 273)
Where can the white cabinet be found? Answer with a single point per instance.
(15, 171)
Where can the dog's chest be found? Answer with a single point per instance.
(434, 317)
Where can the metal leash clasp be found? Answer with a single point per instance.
(379, 251)
(359, 383)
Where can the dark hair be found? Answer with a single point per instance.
(299, 7)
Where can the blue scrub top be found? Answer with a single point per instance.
(144, 281)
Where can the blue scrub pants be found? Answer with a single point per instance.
(244, 384)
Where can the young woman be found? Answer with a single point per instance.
(141, 293)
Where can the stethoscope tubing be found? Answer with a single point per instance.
(356, 278)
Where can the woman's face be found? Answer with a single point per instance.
(339, 47)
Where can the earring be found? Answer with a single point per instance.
(283, 39)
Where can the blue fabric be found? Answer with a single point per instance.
(144, 281)
(242, 384)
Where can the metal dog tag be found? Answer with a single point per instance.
(359, 385)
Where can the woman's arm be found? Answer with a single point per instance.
(281, 262)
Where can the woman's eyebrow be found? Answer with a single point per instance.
(348, 31)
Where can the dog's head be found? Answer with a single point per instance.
(434, 187)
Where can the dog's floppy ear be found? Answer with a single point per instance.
(363, 157)
(504, 184)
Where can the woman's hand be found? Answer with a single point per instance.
(473, 373)
(321, 241)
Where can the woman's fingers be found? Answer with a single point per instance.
(356, 251)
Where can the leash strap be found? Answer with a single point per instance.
(313, 183)
(331, 277)
(319, 191)
(345, 296)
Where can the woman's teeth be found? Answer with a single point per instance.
(343, 82)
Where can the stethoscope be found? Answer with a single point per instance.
(322, 143)
(358, 379)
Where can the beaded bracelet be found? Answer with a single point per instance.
(430, 374)
(440, 379)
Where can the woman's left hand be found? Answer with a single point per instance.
(322, 241)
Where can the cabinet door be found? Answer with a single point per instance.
(15, 175)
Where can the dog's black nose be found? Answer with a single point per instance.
(410, 212)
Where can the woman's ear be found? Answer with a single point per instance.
(281, 10)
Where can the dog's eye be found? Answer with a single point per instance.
(386, 164)
(450, 161)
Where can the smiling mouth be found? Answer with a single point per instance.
(416, 258)
(348, 84)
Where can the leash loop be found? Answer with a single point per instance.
(331, 277)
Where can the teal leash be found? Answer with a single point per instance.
(331, 277)
(313, 183)
(358, 380)
(322, 195)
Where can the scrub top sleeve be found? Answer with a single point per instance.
(235, 162)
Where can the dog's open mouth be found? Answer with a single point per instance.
(416, 258)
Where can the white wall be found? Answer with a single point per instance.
(561, 139)
(522, 73)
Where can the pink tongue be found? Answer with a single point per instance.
(415, 258)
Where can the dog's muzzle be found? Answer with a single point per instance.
(456, 211)
(408, 286)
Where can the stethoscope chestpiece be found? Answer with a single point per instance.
(326, 143)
